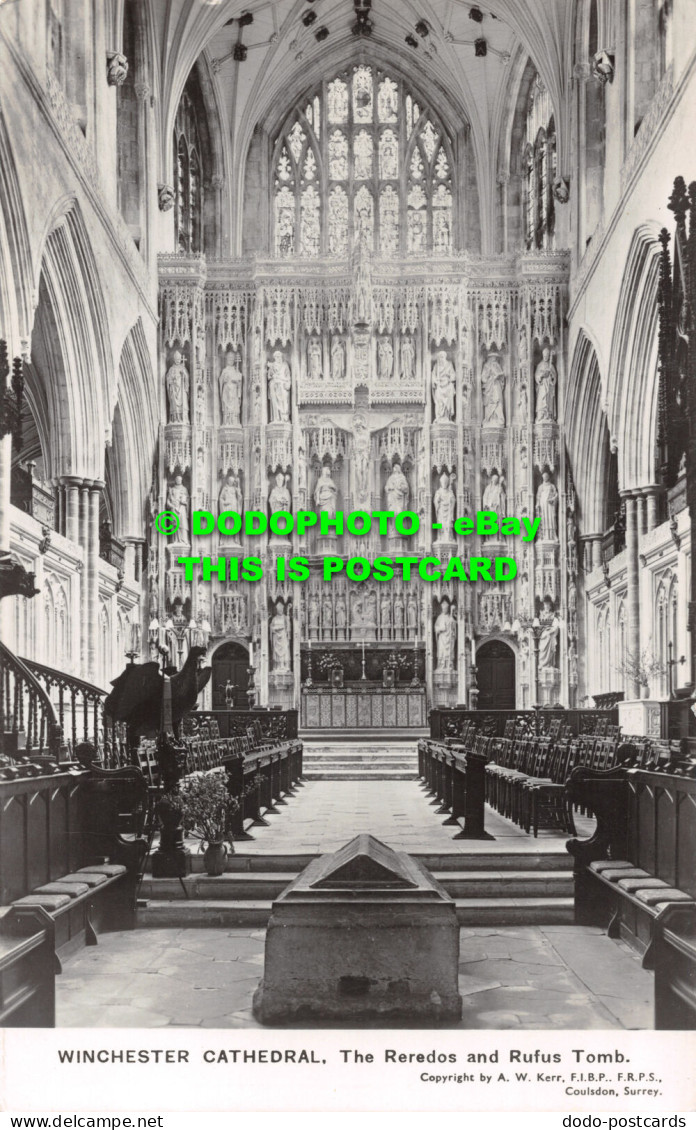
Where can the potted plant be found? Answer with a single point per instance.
(641, 669)
(206, 811)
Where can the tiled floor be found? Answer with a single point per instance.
(552, 977)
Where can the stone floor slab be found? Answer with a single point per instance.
(207, 978)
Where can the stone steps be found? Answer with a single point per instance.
(259, 885)
(199, 913)
(459, 862)
(491, 888)
(368, 761)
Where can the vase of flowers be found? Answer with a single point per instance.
(207, 811)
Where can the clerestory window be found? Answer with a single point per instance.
(188, 196)
(361, 159)
(539, 165)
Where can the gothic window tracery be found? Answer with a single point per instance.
(362, 159)
(539, 169)
(188, 191)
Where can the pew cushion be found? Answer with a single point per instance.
(632, 885)
(63, 887)
(613, 874)
(111, 870)
(91, 878)
(48, 902)
(667, 894)
(601, 865)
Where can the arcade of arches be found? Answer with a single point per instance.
(252, 266)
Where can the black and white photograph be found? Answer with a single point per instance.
(347, 516)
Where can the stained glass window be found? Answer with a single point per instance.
(338, 156)
(539, 168)
(389, 222)
(363, 148)
(388, 155)
(361, 159)
(188, 194)
(338, 222)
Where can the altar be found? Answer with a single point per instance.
(363, 707)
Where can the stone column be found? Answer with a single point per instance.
(591, 551)
(5, 479)
(71, 488)
(92, 579)
(133, 558)
(641, 514)
(632, 585)
(651, 508)
(83, 539)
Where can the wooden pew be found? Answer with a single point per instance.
(635, 875)
(27, 968)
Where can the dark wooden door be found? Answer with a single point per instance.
(230, 664)
(496, 676)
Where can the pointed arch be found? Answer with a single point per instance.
(588, 439)
(71, 351)
(17, 290)
(632, 384)
(135, 427)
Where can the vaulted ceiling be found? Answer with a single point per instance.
(284, 56)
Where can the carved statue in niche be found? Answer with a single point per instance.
(522, 399)
(256, 350)
(412, 615)
(385, 359)
(572, 543)
(327, 614)
(315, 364)
(523, 594)
(445, 637)
(179, 503)
(547, 507)
(408, 359)
(397, 490)
(385, 615)
(545, 379)
(572, 664)
(231, 391)
(301, 469)
(522, 348)
(572, 608)
(362, 277)
(279, 631)
(338, 359)
(399, 614)
(200, 405)
(326, 493)
(178, 390)
(494, 496)
(341, 613)
(548, 641)
(313, 613)
(444, 384)
(493, 391)
(279, 386)
(362, 445)
(371, 611)
(231, 497)
(445, 503)
(279, 497)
